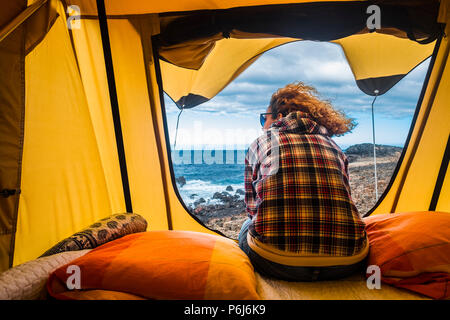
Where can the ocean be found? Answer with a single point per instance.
(207, 172)
(210, 171)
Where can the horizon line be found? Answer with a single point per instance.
(245, 147)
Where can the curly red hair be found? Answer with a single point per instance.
(300, 97)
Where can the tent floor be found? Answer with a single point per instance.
(351, 288)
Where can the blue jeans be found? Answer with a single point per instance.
(290, 273)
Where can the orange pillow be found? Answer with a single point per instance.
(162, 265)
(412, 250)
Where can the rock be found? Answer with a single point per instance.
(201, 200)
(229, 188)
(192, 196)
(224, 196)
(198, 210)
(352, 157)
(366, 150)
(181, 180)
(240, 191)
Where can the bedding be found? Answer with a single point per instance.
(350, 288)
(412, 250)
(27, 281)
(100, 295)
(100, 232)
(162, 265)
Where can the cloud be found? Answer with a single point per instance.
(300, 61)
(320, 64)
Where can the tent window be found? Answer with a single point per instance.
(208, 160)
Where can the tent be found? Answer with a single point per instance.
(83, 132)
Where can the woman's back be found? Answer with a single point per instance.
(299, 194)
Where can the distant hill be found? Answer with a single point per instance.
(363, 150)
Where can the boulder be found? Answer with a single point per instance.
(201, 200)
(224, 196)
(181, 180)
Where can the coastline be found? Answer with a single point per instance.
(225, 210)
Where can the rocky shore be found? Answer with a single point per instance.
(228, 204)
(228, 213)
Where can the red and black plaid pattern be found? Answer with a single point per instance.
(297, 190)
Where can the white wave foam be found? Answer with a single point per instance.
(196, 189)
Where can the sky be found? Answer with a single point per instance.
(231, 119)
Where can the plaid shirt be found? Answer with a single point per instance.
(297, 191)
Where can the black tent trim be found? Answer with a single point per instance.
(441, 177)
(150, 56)
(190, 101)
(382, 84)
(322, 21)
(114, 103)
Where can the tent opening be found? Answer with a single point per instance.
(207, 163)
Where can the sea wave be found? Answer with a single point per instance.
(195, 189)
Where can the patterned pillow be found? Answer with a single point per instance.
(102, 231)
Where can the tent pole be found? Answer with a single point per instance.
(374, 149)
(176, 130)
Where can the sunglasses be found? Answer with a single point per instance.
(263, 117)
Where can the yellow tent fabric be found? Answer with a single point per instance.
(379, 55)
(59, 157)
(414, 183)
(62, 175)
(378, 61)
(223, 64)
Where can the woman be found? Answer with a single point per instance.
(303, 224)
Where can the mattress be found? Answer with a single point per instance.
(351, 288)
